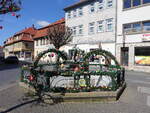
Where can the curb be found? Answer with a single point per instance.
(102, 96)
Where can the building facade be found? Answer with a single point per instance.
(93, 23)
(133, 34)
(41, 41)
(21, 44)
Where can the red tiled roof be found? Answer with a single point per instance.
(25, 37)
(29, 30)
(1, 46)
(43, 31)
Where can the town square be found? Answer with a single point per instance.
(74, 56)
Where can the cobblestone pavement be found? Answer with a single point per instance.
(135, 99)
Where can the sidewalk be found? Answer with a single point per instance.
(12, 100)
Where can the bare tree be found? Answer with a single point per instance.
(59, 35)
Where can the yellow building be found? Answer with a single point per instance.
(21, 44)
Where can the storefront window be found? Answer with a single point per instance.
(142, 56)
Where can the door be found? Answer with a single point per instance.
(124, 56)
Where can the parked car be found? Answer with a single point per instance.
(2, 59)
(11, 59)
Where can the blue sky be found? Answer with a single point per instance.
(37, 12)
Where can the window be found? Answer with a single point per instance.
(146, 26)
(100, 5)
(136, 27)
(109, 24)
(109, 3)
(47, 41)
(80, 29)
(100, 27)
(75, 13)
(136, 2)
(146, 1)
(69, 15)
(127, 4)
(92, 8)
(80, 11)
(142, 56)
(37, 43)
(26, 45)
(74, 31)
(91, 28)
(37, 52)
(40, 41)
(43, 41)
(127, 28)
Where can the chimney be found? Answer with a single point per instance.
(33, 26)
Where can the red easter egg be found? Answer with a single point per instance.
(31, 78)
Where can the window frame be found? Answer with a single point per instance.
(92, 5)
(142, 28)
(100, 4)
(80, 27)
(69, 15)
(80, 11)
(74, 30)
(108, 5)
(37, 42)
(145, 3)
(74, 13)
(93, 26)
(107, 23)
(102, 24)
(132, 5)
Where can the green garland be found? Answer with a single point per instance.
(113, 70)
(40, 55)
(104, 53)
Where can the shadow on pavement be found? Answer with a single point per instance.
(19, 105)
(26, 100)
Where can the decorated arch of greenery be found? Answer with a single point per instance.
(79, 73)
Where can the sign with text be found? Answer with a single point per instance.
(146, 37)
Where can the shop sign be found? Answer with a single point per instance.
(146, 37)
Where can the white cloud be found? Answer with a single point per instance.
(42, 23)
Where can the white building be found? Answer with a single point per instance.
(133, 34)
(93, 24)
